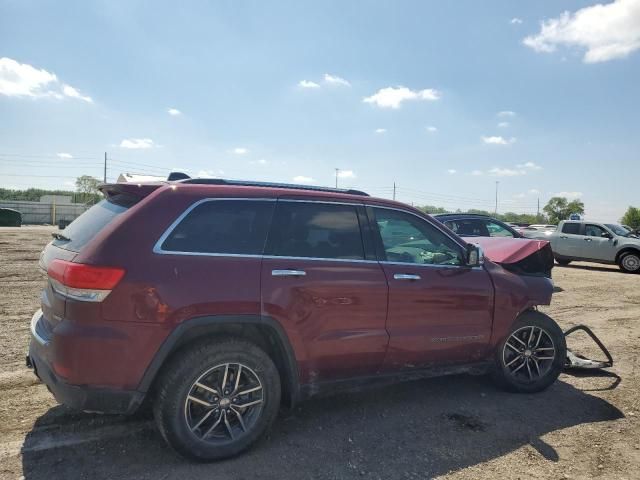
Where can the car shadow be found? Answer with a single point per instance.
(593, 268)
(422, 428)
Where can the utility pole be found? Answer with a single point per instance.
(538, 212)
(394, 190)
(105, 167)
(337, 171)
(496, 210)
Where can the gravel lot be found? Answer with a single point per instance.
(455, 427)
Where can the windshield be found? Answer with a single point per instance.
(618, 229)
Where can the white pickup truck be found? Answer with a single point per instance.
(593, 242)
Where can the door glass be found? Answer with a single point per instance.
(408, 239)
(315, 230)
(593, 231)
(497, 230)
(222, 226)
(571, 228)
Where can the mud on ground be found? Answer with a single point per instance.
(458, 427)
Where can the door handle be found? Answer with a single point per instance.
(587, 239)
(288, 273)
(406, 276)
(563, 237)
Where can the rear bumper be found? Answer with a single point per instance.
(80, 397)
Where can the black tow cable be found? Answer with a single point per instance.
(576, 361)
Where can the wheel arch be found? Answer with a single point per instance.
(265, 332)
(626, 250)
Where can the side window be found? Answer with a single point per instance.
(497, 230)
(223, 226)
(409, 239)
(571, 228)
(593, 231)
(315, 230)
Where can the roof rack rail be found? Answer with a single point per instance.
(293, 186)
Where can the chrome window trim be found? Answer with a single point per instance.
(158, 245)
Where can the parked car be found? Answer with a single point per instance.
(214, 301)
(10, 217)
(607, 243)
(474, 225)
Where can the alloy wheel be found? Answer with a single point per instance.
(631, 262)
(224, 403)
(528, 354)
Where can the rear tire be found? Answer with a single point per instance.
(563, 262)
(531, 356)
(216, 398)
(629, 262)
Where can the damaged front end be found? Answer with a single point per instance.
(529, 257)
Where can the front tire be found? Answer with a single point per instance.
(532, 355)
(629, 262)
(217, 398)
(563, 262)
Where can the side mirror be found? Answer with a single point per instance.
(475, 256)
(606, 235)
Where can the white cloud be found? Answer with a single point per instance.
(498, 140)
(530, 166)
(71, 92)
(335, 80)
(507, 113)
(64, 155)
(381, 130)
(69, 183)
(392, 97)
(209, 173)
(515, 21)
(569, 195)
(346, 174)
(452, 171)
(534, 191)
(476, 173)
(308, 84)
(302, 179)
(519, 195)
(239, 151)
(137, 143)
(174, 112)
(431, 129)
(503, 124)
(506, 172)
(262, 161)
(607, 32)
(23, 80)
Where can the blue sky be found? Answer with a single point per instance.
(444, 98)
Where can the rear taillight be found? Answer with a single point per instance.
(79, 281)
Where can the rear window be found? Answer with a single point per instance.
(237, 227)
(316, 230)
(571, 228)
(89, 224)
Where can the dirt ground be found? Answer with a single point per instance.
(458, 427)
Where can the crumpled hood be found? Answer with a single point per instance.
(507, 250)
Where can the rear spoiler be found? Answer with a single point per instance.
(128, 194)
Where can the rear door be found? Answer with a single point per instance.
(321, 281)
(440, 310)
(595, 246)
(570, 240)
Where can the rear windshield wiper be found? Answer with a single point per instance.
(59, 236)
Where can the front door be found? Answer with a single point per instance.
(440, 310)
(322, 283)
(595, 246)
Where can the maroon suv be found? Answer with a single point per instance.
(214, 301)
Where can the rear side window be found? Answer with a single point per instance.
(224, 227)
(89, 224)
(315, 230)
(571, 228)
